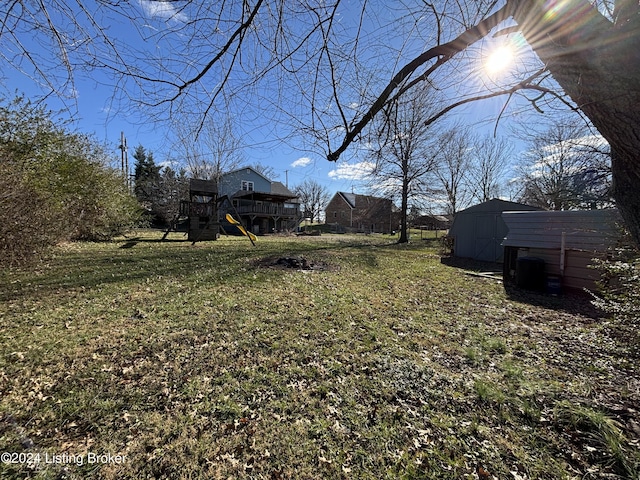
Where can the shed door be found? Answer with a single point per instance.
(488, 247)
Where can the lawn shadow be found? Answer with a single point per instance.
(136, 259)
(471, 265)
(132, 242)
(124, 264)
(574, 301)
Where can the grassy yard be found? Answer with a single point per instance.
(140, 359)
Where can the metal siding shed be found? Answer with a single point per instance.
(478, 231)
(567, 241)
(586, 230)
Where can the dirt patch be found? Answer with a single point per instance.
(294, 263)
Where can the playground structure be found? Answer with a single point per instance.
(202, 210)
(202, 213)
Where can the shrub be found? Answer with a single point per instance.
(28, 223)
(620, 284)
(93, 200)
(55, 185)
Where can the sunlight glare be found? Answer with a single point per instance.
(499, 60)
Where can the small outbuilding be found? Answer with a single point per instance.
(478, 231)
(432, 222)
(564, 244)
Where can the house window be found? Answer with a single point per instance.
(247, 186)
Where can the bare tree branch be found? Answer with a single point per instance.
(239, 32)
(442, 53)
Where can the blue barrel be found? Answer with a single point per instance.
(554, 285)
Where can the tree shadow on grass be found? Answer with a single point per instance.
(127, 263)
(574, 301)
(130, 242)
(137, 259)
(470, 264)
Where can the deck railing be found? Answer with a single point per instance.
(198, 209)
(267, 210)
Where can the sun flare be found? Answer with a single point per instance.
(499, 60)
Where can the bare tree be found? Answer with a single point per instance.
(173, 187)
(487, 170)
(313, 197)
(266, 171)
(405, 151)
(592, 51)
(216, 150)
(453, 166)
(329, 53)
(566, 168)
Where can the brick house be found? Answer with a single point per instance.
(350, 212)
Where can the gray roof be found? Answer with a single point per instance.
(350, 198)
(496, 205)
(439, 218)
(278, 188)
(588, 230)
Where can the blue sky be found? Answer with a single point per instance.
(94, 110)
(93, 114)
(105, 112)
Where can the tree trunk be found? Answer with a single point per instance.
(597, 63)
(404, 227)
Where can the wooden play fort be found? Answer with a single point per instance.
(201, 211)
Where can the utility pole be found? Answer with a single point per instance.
(124, 159)
(121, 147)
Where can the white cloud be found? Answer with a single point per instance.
(301, 162)
(164, 10)
(567, 151)
(352, 171)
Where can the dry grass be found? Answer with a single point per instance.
(205, 362)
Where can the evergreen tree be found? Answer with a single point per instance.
(147, 176)
(172, 188)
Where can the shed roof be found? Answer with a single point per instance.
(589, 230)
(431, 218)
(496, 205)
(202, 187)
